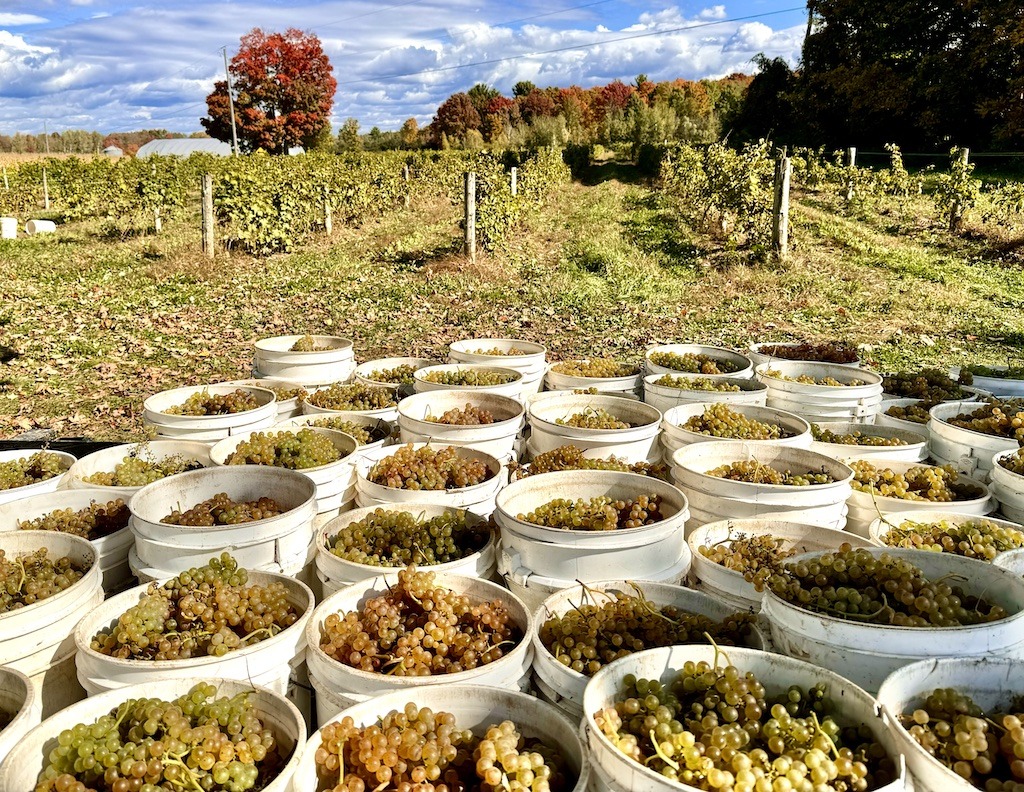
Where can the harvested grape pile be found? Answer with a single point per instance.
(590, 418)
(308, 344)
(754, 472)
(32, 469)
(205, 403)
(28, 578)
(917, 412)
(399, 375)
(355, 397)
(984, 748)
(418, 628)
(920, 483)
(757, 558)
(283, 394)
(853, 438)
(292, 450)
(807, 379)
(597, 368)
(696, 384)
(1013, 462)
(474, 378)
(93, 522)
(967, 373)
(420, 750)
(828, 352)
(391, 538)
(134, 471)
(1001, 419)
(470, 415)
(498, 352)
(720, 420)
(691, 363)
(615, 624)
(716, 728)
(879, 589)
(597, 514)
(221, 510)
(429, 468)
(364, 435)
(198, 741)
(570, 457)
(206, 611)
(927, 384)
(974, 538)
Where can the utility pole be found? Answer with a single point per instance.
(231, 103)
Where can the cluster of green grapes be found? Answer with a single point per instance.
(205, 403)
(284, 394)
(879, 589)
(1013, 462)
(399, 375)
(221, 510)
(918, 412)
(720, 420)
(31, 577)
(32, 469)
(470, 415)
(308, 344)
(984, 748)
(472, 377)
(1010, 372)
(597, 514)
(716, 728)
(920, 483)
(429, 468)
(754, 472)
(974, 538)
(592, 418)
(419, 628)
(596, 368)
(93, 522)
(757, 558)
(590, 635)
(932, 385)
(856, 437)
(498, 352)
(570, 457)
(417, 749)
(1002, 419)
(364, 435)
(697, 384)
(399, 538)
(827, 352)
(196, 742)
(134, 471)
(206, 611)
(355, 397)
(292, 450)
(807, 379)
(692, 363)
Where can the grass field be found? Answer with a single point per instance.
(605, 268)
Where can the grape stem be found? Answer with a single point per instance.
(175, 759)
(718, 650)
(661, 755)
(822, 732)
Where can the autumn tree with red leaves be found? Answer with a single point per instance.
(284, 89)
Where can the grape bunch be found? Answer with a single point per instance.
(917, 412)
(353, 398)
(93, 522)
(1013, 462)
(1002, 419)
(827, 352)
(205, 403)
(418, 628)
(754, 472)
(470, 415)
(364, 435)
(807, 379)
(720, 420)
(697, 384)
(134, 471)
(692, 363)
(429, 468)
(419, 750)
(919, 483)
(284, 394)
(498, 352)
(855, 437)
(28, 578)
(615, 624)
(206, 611)
(879, 589)
(221, 510)
(757, 558)
(196, 742)
(1010, 372)
(292, 450)
(596, 368)
(932, 385)
(985, 749)
(716, 728)
(32, 469)
(308, 344)
(974, 538)
(597, 514)
(399, 538)
(399, 375)
(472, 378)
(570, 457)
(592, 418)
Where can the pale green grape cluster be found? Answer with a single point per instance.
(697, 384)
(691, 363)
(134, 471)
(754, 472)
(720, 420)
(596, 368)
(292, 450)
(354, 398)
(204, 403)
(393, 538)
(32, 469)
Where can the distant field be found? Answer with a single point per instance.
(14, 159)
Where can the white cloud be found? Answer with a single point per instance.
(8, 19)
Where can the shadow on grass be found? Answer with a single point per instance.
(416, 260)
(653, 228)
(612, 170)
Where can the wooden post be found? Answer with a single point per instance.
(780, 213)
(328, 213)
(158, 223)
(956, 211)
(208, 219)
(851, 163)
(46, 191)
(470, 244)
(405, 179)
(6, 185)
(515, 181)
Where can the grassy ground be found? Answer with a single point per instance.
(605, 268)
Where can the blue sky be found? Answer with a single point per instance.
(115, 66)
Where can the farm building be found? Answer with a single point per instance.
(113, 151)
(183, 147)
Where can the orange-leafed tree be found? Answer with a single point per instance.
(284, 90)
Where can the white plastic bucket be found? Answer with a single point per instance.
(335, 573)
(556, 381)
(915, 450)
(24, 764)
(532, 364)
(389, 414)
(33, 227)
(341, 682)
(39, 488)
(868, 653)
(674, 435)
(823, 402)
(1000, 387)
(364, 371)
(274, 358)
(498, 438)
(635, 444)
(207, 428)
(106, 459)
(880, 527)
(883, 419)
(1008, 488)
(757, 357)
(969, 451)
(286, 408)
(513, 388)
(8, 227)
(18, 698)
(665, 397)
(742, 364)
